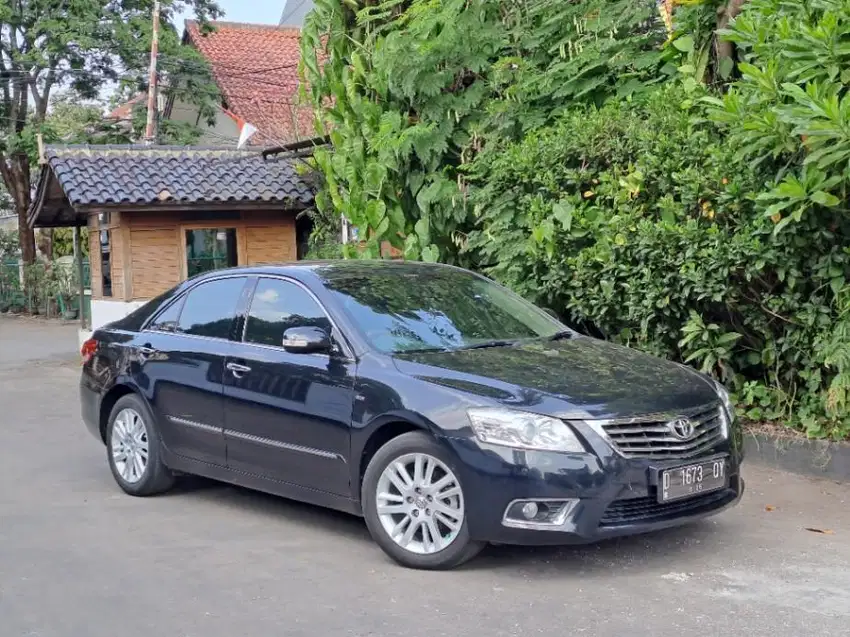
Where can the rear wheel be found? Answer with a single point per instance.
(414, 504)
(133, 449)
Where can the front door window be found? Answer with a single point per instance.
(210, 249)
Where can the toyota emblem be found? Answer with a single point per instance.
(682, 428)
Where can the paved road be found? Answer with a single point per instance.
(79, 559)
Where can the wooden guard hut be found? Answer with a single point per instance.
(158, 215)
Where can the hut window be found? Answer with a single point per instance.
(210, 249)
(106, 261)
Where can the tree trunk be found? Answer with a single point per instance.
(18, 184)
(725, 14)
(45, 243)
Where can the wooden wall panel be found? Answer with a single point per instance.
(271, 243)
(155, 260)
(154, 251)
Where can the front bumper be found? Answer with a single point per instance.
(614, 495)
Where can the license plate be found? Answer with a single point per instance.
(692, 479)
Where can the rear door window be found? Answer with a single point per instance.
(210, 308)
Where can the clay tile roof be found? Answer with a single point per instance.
(256, 69)
(124, 112)
(160, 175)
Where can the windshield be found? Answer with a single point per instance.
(403, 309)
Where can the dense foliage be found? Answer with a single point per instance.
(677, 192)
(409, 95)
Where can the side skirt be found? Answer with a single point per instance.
(260, 483)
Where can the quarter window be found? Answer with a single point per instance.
(168, 321)
(210, 308)
(277, 306)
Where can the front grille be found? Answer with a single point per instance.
(650, 437)
(650, 510)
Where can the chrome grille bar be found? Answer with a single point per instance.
(649, 436)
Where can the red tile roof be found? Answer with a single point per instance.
(124, 112)
(256, 69)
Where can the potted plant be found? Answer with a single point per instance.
(67, 305)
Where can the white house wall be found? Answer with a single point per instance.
(103, 312)
(225, 132)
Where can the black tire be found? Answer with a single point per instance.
(462, 547)
(156, 477)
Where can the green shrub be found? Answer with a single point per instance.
(637, 221)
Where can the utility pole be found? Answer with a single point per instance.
(150, 134)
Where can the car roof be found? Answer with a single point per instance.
(304, 270)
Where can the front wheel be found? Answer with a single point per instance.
(414, 505)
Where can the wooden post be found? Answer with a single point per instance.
(78, 257)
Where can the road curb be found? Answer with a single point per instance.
(815, 458)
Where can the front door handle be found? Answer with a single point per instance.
(238, 370)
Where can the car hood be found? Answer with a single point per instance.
(579, 377)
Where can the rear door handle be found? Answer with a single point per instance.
(238, 370)
(146, 350)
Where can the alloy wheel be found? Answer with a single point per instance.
(420, 503)
(129, 445)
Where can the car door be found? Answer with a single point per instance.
(287, 415)
(182, 356)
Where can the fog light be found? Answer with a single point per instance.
(543, 514)
(529, 510)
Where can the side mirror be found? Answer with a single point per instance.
(306, 340)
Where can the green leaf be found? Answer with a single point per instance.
(376, 212)
(431, 254)
(728, 338)
(685, 44)
(423, 230)
(382, 228)
(563, 211)
(825, 199)
(725, 68)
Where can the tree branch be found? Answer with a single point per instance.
(6, 172)
(41, 100)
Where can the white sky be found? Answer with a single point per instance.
(259, 11)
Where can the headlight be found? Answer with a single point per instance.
(723, 394)
(523, 430)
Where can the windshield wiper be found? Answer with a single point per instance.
(559, 336)
(486, 344)
(422, 350)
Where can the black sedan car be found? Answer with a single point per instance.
(441, 407)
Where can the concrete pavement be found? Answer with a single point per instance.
(80, 559)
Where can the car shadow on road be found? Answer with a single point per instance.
(319, 519)
(670, 548)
